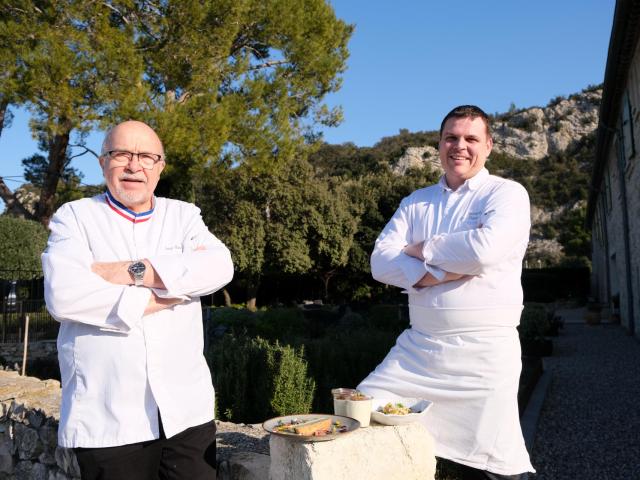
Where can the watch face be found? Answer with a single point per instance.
(137, 268)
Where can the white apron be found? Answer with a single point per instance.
(467, 362)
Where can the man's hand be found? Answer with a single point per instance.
(118, 273)
(414, 250)
(157, 303)
(429, 280)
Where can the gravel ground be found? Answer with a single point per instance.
(232, 437)
(589, 427)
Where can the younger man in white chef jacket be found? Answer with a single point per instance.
(456, 248)
(124, 271)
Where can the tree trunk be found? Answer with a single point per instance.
(4, 103)
(57, 158)
(227, 297)
(13, 205)
(325, 281)
(252, 293)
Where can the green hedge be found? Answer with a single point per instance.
(256, 379)
(21, 243)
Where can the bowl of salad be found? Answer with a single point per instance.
(399, 411)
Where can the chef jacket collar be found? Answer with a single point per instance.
(124, 212)
(472, 183)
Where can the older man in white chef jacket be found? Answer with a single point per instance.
(124, 271)
(457, 248)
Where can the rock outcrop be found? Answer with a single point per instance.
(416, 157)
(536, 132)
(528, 134)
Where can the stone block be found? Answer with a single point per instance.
(249, 466)
(67, 462)
(49, 436)
(47, 458)
(401, 452)
(28, 442)
(30, 471)
(6, 463)
(35, 418)
(57, 475)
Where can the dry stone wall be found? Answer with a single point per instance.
(30, 411)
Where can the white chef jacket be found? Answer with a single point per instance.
(462, 350)
(481, 229)
(118, 366)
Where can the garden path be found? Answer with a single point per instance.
(589, 425)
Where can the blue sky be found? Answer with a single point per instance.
(412, 61)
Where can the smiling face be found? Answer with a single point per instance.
(464, 147)
(132, 185)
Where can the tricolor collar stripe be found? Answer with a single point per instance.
(124, 212)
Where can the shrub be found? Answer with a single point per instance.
(388, 317)
(256, 379)
(534, 322)
(21, 243)
(280, 323)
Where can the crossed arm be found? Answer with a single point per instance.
(429, 280)
(503, 229)
(118, 274)
(79, 289)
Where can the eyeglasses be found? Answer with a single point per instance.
(121, 158)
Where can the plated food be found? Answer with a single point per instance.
(395, 409)
(399, 411)
(316, 426)
(310, 427)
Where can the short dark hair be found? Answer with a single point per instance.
(467, 111)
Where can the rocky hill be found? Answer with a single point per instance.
(528, 134)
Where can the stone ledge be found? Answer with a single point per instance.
(29, 393)
(401, 452)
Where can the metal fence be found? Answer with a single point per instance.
(14, 312)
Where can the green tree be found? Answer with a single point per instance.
(74, 63)
(283, 222)
(373, 198)
(238, 81)
(21, 243)
(333, 221)
(223, 81)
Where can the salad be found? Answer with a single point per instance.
(395, 409)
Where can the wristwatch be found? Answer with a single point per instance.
(136, 270)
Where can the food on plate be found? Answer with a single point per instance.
(316, 427)
(311, 427)
(359, 396)
(395, 409)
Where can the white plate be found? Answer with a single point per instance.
(417, 405)
(271, 424)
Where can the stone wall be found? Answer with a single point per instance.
(12, 352)
(30, 411)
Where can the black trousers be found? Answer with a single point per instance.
(468, 473)
(189, 455)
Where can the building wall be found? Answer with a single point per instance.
(610, 270)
